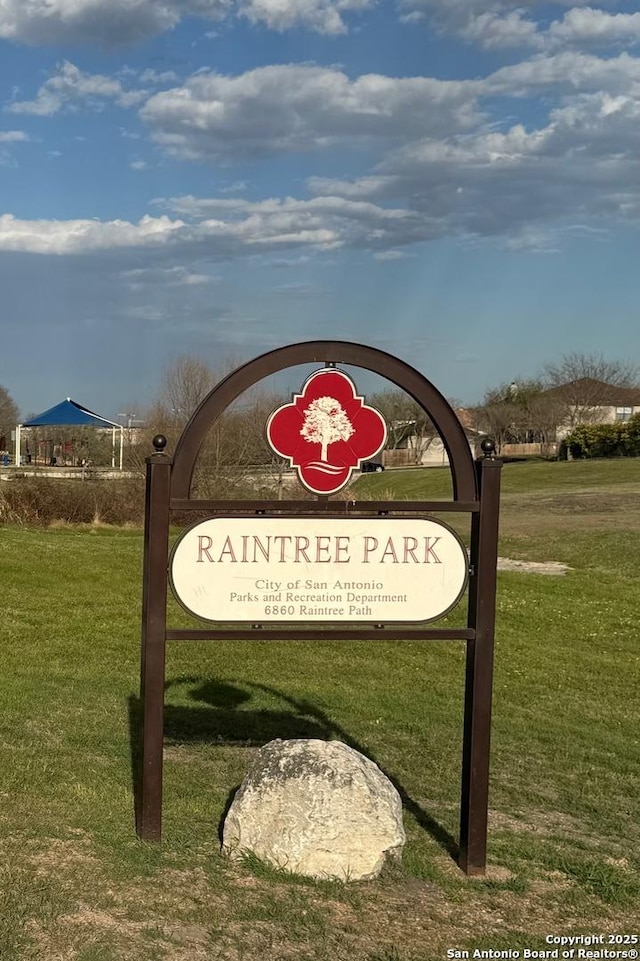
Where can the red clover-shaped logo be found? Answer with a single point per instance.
(326, 431)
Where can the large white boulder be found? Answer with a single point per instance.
(317, 808)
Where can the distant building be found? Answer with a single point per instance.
(420, 448)
(589, 401)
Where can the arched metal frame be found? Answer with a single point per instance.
(329, 352)
(476, 491)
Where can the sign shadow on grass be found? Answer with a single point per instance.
(219, 716)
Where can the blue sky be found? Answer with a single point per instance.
(454, 181)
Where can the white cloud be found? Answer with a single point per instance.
(565, 73)
(589, 26)
(322, 222)
(80, 236)
(13, 136)
(493, 30)
(54, 21)
(520, 185)
(530, 183)
(298, 291)
(10, 137)
(447, 165)
(391, 255)
(324, 16)
(498, 26)
(451, 13)
(130, 21)
(178, 276)
(512, 23)
(237, 187)
(216, 229)
(155, 78)
(70, 86)
(298, 107)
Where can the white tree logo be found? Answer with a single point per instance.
(325, 421)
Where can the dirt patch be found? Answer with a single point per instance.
(64, 856)
(554, 568)
(189, 914)
(546, 823)
(90, 928)
(576, 502)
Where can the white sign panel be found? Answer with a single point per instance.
(304, 569)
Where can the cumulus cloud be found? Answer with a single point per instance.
(444, 169)
(69, 86)
(564, 73)
(594, 27)
(489, 23)
(530, 183)
(8, 137)
(455, 13)
(583, 166)
(322, 222)
(94, 21)
(492, 30)
(447, 164)
(78, 236)
(13, 136)
(512, 23)
(143, 277)
(579, 27)
(298, 107)
(130, 21)
(216, 229)
(324, 16)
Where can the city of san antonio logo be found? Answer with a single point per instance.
(327, 431)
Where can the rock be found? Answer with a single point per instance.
(317, 808)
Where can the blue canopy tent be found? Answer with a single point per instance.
(70, 414)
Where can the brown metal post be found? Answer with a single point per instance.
(474, 801)
(154, 622)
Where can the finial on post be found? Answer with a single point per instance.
(488, 447)
(159, 443)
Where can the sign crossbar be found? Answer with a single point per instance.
(339, 508)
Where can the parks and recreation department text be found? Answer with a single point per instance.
(317, 598)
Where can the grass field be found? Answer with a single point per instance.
(564, 834)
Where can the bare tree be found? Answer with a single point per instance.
(575, 366)
(518, 413)
(325, 422)
(186, 383)
(235, 459)
(408, 426)
(581, 384)
(544, 413)
(8, 417)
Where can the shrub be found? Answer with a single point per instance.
(620, 439)
(44, 500)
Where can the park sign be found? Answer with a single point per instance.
(338, 569)
(327, 431)
(312, 569)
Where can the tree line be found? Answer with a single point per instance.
(567, 395)
(566, 392)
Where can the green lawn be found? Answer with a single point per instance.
(564, 825)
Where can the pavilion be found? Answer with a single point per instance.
(69, 413)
